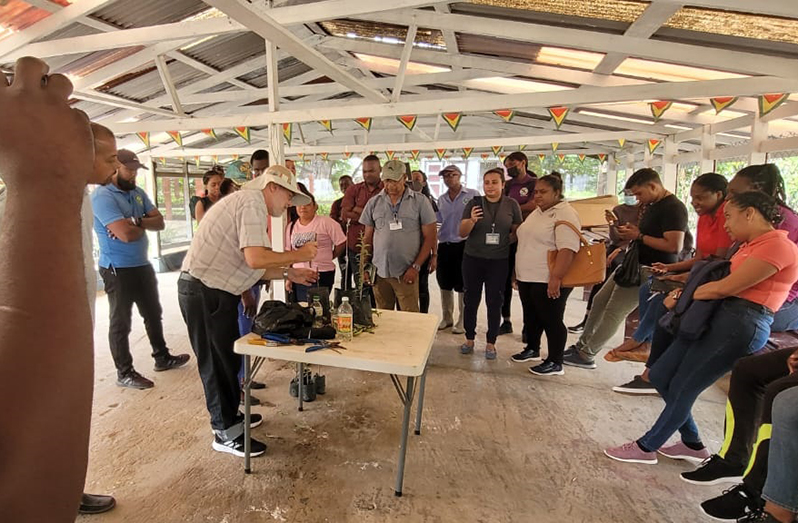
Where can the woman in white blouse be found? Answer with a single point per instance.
(542, 296)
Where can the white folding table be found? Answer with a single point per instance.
(400, 347)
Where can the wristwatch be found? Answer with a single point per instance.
(135, 221)
(417, 267)
(285, 273)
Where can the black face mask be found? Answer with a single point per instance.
(513, 172)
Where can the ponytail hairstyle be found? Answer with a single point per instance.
(712, 182)
(767, 206)
(766, 178)
(553, 180)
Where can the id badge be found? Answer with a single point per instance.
(395, 226)
(492, 238)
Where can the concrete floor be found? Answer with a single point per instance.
(498, 444)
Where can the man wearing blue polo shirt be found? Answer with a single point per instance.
(122, 215)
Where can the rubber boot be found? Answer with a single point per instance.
(447, 309)
(458, 327)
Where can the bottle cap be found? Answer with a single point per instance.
(345, 298)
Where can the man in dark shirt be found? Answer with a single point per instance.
(660, 237)
(355, 200)
(521, 188)
(344, 182)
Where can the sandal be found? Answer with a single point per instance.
(490, 354)
(466, 348)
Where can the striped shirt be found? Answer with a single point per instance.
(216, 255)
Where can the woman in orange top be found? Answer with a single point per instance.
(762, 272)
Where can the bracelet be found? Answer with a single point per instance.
(285, 273)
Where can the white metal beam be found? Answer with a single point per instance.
(400, 74)
(594, 41)
(116, 101)
(646, 25)
(269, 29)
(785, 8)
(169, 85)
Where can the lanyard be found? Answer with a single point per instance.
(485, 207)
(395, 209)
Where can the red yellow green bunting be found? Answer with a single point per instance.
(324, 156)
(658, 108)
(554, 146)
(414, 154)
(768, 102)
(211, 133)
(722, 102)
(347, 155)
(440, 153)
(521, 147)
(582, 158)
(163, 160)
(467, 152)
(145, 138)
(365, 123)
(541, 157)
(288, 133)
(653, 145)
(453, 119)
(175, 135)
(496, 150)
(390, 154)
(561, 157)
(602, 158)
(327, 124)
(484, 156)
(408, 120)
(197, 161)
(621, 142)
(502, 156)
(215, 159)
(558, 114)
(243, 132)
(505, 114)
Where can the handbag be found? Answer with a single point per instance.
(628, 274)
(589, 266)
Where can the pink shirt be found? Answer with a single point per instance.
(776, 249)
(325, 231)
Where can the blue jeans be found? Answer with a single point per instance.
(687, 368)
(786, 318)
(781, 486)
(650, 309)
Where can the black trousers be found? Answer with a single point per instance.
(450, 266)
(423, 288)
(211, 317)
(125, 287)
(543, 314)
(755, 382)
(490, 273)
(508, 285)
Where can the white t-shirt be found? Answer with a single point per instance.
(537, 236)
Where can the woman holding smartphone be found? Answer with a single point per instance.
(489, 222)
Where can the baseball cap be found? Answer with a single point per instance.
(280, 175)
(393, 170)
(129, 159)
(451, 168)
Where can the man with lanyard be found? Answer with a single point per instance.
(451, 246)
(122, 214)
(355, 200)
(401, 229)
(230, 252)
(521, 188)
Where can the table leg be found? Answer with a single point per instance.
(247, 405)
(421, 387)
(301, 372)
(408, 402)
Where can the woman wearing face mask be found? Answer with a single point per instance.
(542, 296)
(489, 224)
(419, 181)
(626, 213)
(763, 270)
(212, 180)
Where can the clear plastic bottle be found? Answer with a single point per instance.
(345, 323)
(318, 313)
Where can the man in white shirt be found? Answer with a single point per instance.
(229, 254)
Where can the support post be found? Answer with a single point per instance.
(707, 146)
(277, 157)
(611, 176)
(669, 164)
(759, 134)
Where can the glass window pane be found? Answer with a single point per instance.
(172, 204)
(787, 162)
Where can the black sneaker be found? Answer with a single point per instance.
(714, 470)
(252, 400)
(526, 355)
(171, 362)
(760, 516)
(134, 380)
(580, 327)
(257, 385)
(638, 386)
(570, 350)
(236, 446)
(547, 368)
(732, 505)
(95, 504)
(506, 327)
(255, 420)
(575, 359)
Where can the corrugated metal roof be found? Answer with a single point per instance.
(148, 85)
(141, 13)
(225, 51)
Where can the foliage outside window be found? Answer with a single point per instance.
(787, 162)
(172, 204)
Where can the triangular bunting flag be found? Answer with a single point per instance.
(365, 123)
(521, 147)
(502, 156)
(582, 158)
(215, 159)
(197, 161)
(301, 156)
(288, 133)
(243, 132)
(722, 102)
(496, 150)
(484, 156)
(602, 158)
(768, 102)
(162, 160)
(144, 137)
(390, 154)
(467, 152)
(558, 114)
(175, 135)
(505, 114)
(211, 133)
(554, 146)
(324, 156)
(440, 153)
(541, 157)
(621, 142)
(561, 157)
(453, 119)
(653, 145)
(414, 154)
(408, 120)
(327, 124)
(347, 155)
(658, 108)
(235, 157)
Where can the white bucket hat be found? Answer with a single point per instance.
(281, 176)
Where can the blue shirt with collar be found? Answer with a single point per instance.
(450, 213)
(111, 204)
